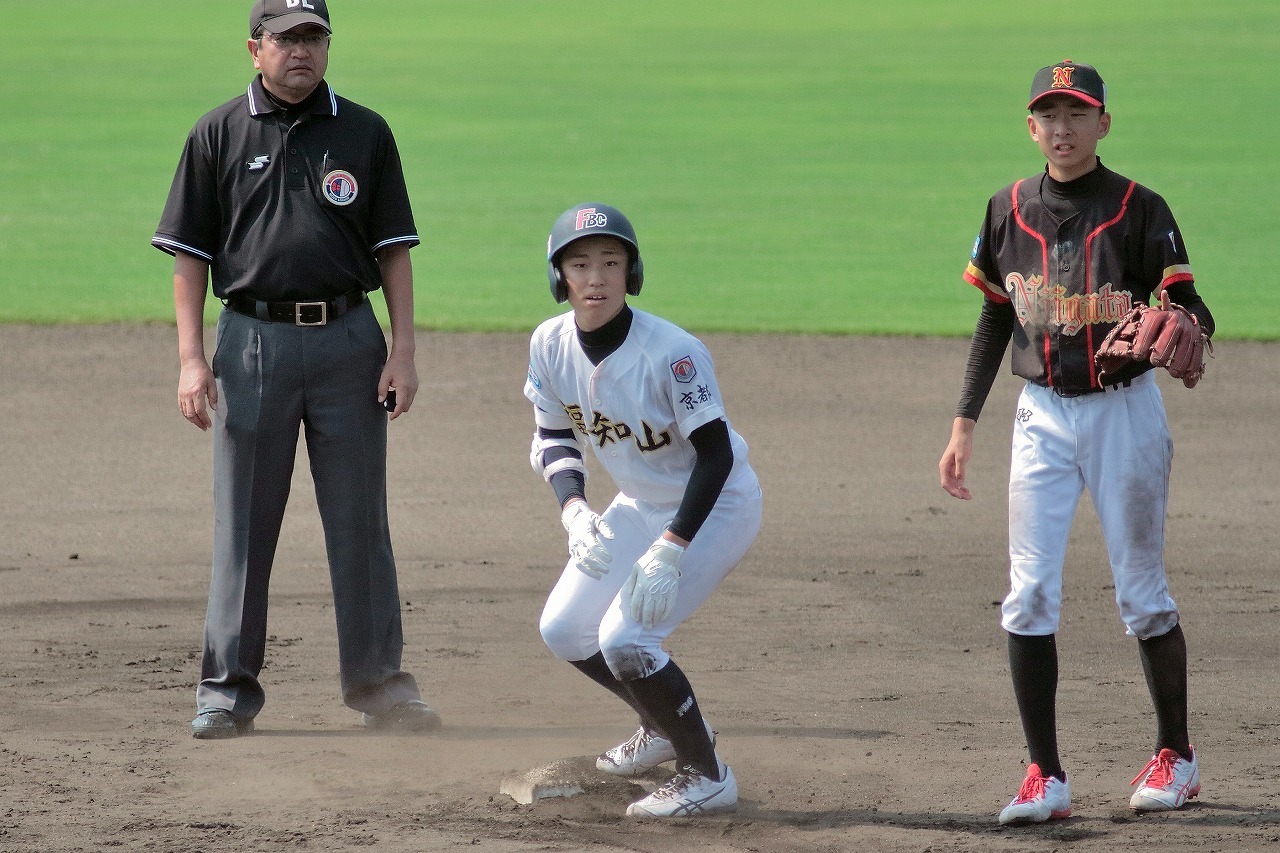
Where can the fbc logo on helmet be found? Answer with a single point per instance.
(589, 218)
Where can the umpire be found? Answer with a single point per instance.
(295, 200)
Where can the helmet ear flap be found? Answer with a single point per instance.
(559, 290)
(635, 275)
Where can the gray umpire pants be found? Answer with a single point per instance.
(274, 378)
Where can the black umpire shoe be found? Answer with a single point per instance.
(413, 715)
(219, 724)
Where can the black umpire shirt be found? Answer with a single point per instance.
(288, 209)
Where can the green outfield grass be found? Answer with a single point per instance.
(811, 166)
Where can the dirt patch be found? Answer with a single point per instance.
(853, 664)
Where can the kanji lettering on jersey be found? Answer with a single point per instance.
(605, 430)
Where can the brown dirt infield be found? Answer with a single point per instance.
(853, 664)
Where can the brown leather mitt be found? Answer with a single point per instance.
(1167, 336)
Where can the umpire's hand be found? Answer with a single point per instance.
(401, 374)
(197, 392)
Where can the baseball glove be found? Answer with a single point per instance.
(1168, 336)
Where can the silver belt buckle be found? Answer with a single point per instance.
(297, 313)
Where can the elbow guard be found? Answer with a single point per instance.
(550, 456)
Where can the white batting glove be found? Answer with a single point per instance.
(655, 580)
(585, 530)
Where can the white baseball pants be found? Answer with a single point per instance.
(1117, 445)
(583, 616)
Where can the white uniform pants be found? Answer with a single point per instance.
(583, 616)
(1115, 443)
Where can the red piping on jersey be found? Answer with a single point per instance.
(1044, 266)
(1088, 271)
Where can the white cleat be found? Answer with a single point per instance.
(690, 794)
(643, 751)
(1167, 782)
(1039, 799)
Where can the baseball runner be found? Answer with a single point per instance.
(1062, 258)
(642, 393)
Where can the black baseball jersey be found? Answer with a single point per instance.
(1072, 259)
(288, 210)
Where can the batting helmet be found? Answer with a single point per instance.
(584, 220)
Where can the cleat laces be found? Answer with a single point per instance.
(1160, 768)
(679, 789)
(1032, 788)
(635, 744)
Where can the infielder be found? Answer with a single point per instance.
(1061, 258)
(643, 394)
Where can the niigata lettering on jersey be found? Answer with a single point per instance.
(605, 430)
(1038, 305)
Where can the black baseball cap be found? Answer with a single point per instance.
(1069, 78)
(278, 16)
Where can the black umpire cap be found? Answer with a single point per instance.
(278, 16)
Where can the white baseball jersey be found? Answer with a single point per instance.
(636, 408)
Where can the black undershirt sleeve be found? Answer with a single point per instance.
(568, 484)
(1184, 293)
(710, 471)
(990, 339)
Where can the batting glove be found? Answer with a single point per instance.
(585, 530)
(655, 580)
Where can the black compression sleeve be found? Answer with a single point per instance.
(986, 351)
(568, 484)
(715, 460)
(1184, 293)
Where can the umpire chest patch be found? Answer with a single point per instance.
(340, 187)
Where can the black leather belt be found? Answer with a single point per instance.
(298, 313)
(1080, 392)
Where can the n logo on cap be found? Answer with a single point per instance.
(1062, 76)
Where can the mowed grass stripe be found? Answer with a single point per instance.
(815, 166)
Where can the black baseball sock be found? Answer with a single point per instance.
(1033, 663)
(1164, 661)
(668, 698)
(598, 671)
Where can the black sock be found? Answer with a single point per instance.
(598, 671)
(1033, 663)
(1164, 661)
(668, 699)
